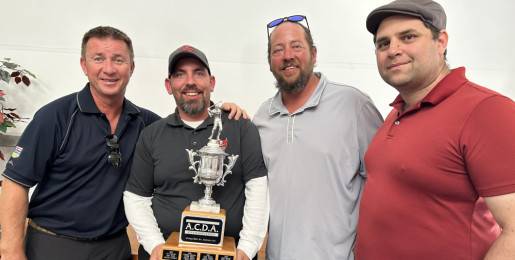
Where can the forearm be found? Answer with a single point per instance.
(503, 210)
(13, 208)
(255, 218)
(140, 215)
(504, 246)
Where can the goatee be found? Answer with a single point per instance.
(294, 87)
(192, 107)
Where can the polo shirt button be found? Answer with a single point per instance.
(397, 122)
(194, 143)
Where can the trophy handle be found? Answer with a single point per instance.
(193, 164)
(228, 167)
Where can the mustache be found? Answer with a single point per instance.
(288, 64)
(190, 87)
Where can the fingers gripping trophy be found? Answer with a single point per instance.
(201, 235)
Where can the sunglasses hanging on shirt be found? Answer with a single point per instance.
(114, 157)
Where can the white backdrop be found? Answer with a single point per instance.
(45, 36)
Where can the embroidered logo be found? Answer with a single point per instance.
(17, 151)
(187, 48)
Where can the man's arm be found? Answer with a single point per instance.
(138, 210)
(255, 218)
(14, 207)
(503, 209)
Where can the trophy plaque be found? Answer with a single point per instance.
(201, 236)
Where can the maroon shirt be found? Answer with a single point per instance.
(427, 169)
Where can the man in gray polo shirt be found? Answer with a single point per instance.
(314, 134)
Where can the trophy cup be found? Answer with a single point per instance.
(201, 236)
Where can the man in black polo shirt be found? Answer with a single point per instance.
(78, 150)
(161, 186)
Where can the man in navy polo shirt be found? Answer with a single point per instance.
(78, 150)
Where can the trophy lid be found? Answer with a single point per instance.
(213, 148)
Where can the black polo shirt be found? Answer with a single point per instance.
(160, 169)
(64, 151)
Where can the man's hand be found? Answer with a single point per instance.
(240, 255)
(234, 111)
(156, 252)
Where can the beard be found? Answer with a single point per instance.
(296, 86)
(191, 107)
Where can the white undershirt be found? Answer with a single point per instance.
(255, 218)
(193, 124)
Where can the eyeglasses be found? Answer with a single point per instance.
(113, 148)
(292, 18)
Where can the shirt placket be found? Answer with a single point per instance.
(290, 129)
(394, 126)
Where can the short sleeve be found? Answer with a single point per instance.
(488, 143)
(141, 178)
(36, 149)
(368, 121)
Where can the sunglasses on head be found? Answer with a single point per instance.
(114, 157)
(292, 18)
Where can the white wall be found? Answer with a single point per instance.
(44, 36)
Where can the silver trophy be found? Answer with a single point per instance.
(211, 170)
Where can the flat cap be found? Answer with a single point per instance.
(426, 10)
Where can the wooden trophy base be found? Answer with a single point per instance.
(176, 251)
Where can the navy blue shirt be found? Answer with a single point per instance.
(63, 150)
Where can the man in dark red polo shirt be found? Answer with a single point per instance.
(441, 170)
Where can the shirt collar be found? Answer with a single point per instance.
(86, 103)
(445, 88)
(175, 120)
(277, 106)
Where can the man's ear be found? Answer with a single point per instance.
(83, 65)
(168, 86)
(133, 66)
(314, 54)
(443, 39)
(212, 82)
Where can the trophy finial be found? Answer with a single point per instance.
(215, 111)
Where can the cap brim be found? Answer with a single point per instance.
(375, 18)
